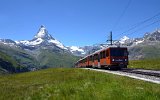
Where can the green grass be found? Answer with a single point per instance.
(145, 64)
(75, 84)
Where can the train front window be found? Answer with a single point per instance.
(118, 52)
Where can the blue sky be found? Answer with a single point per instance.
(76, 22)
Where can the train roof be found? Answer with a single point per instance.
(107, 48)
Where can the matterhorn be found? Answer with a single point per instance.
(41, 39)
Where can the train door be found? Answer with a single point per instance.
(90, 61)
(107, 57)
(95, 60)
(103, 58)
(99, 66)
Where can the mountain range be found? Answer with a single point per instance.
(145, 47)
(44, 51)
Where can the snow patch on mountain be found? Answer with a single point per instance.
(35, 42)
(78, 51)
(123, 40)
(25, 42)
(138, 42)
(7, 42)
(57, 43)
(75, 48)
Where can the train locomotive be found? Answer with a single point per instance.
(108, 58)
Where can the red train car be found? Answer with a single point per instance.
(111, 57)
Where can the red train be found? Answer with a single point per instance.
(111, 57)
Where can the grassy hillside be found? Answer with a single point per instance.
(22, 57)
(75, 84)
(145, 64)
(56, 59)
(41, 58)
(8, 64)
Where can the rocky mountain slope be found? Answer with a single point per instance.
(147, 47)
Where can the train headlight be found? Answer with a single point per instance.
(112, 59)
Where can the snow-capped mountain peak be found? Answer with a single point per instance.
(43, 33)
(42, 38)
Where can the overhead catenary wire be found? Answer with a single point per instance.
(144, 27)
(139, 24)
(157, 21)
(121, 16)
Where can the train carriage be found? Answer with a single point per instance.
(111, 57)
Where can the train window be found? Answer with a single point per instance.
(107, 53)
(95, 56)
(104, 54)
(90, 58)
(118, 52)
(125, 53)
(98, 57)
(85, 60)
(101, 55)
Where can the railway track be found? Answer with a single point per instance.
(142, 72)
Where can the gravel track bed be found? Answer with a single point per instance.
(148, 78)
